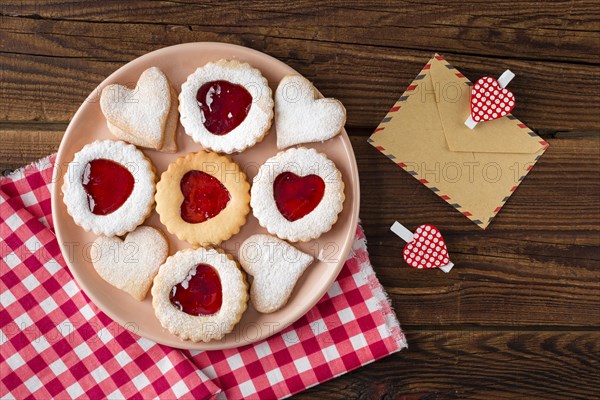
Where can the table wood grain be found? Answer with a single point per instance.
(519, 316)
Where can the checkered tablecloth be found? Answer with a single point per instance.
(56, 343)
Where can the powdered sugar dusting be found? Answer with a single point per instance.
(276, 267)
(143, 110)
(135, 209)
(186, 282)
(132, 263)
(169, 142)
(301, 117)
(301, 161)
(321, 256)
(202, 327)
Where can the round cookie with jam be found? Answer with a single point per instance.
(203, 198)
(109, 187)
(199, 295)
(226, 106)
(297, 194)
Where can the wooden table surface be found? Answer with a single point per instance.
(519, 316)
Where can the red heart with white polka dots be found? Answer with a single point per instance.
(489, 100)
(427, 249)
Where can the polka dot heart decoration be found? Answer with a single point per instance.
(490, 99)
(425, 248)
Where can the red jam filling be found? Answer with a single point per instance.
(204, 196)
(297, 196)
(224, 105)
(108, 185)
(200, 293)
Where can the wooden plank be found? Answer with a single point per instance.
(47, 74)
(493, 291)
(21, 148)
(477, 365)
(530, 268)
(564, 30)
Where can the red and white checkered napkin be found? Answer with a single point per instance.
(55, 343)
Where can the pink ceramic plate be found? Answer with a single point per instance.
(89, 124)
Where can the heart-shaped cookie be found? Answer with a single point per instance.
(130, 264)
(427, 249)
(142, 111)
(276, 267)
(169, 143)
(301, 116)
(489, 100)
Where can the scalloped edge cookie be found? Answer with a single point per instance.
(252, 129)
(302, 162)
(202, 327)
(138, 205)
(218, 228)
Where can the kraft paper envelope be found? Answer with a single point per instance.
(475, 171)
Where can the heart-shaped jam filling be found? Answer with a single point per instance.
(224, 105)
(200, 293)
(204, 196)
(108, 185)
(297, 196)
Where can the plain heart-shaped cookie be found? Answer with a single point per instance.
(276, 267)
(489, 100)
(142, 111)
(301, 116)
(169, 143)
(427, 249)
(130, 264)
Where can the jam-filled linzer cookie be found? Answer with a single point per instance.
(200, 294)
(109, 187)
(297, 194)
(226, 106)
(203, 198)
